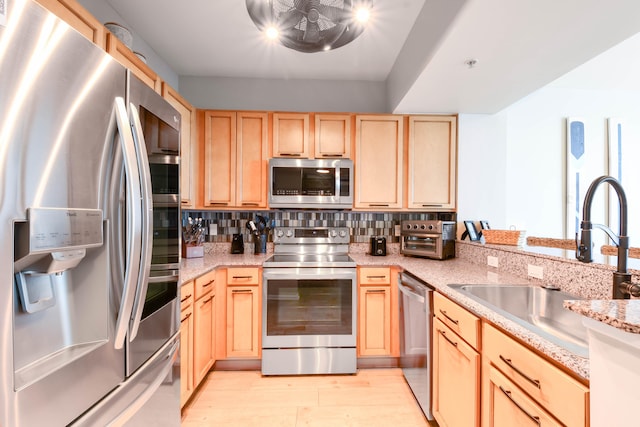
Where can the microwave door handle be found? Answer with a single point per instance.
(147, 222)
(134, 222)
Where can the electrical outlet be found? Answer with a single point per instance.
(213, 229)
(396, 230)
(492, 261)
(535, 271)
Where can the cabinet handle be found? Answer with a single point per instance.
(290, 154)
(208, 284)
(432, 205)
(376, 277)
(241, 277)
(241, 291)
(185, 317)
(186, 297)
(509, 363)
(382, 205)
(185, 202)
(524, 411)
(376, 291)
(453, 343)
(332, 155)
(451, 319)
(207, 300)
(250, 204)
(211, 202)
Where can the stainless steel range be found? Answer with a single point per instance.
(309, 303)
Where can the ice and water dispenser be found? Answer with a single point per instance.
(61, 271)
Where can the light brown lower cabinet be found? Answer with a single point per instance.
(375, 315)
(186, 342)
(505, 405)
(456, 379)
(204, 331)
(243, 313)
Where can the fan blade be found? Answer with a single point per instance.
(312, 32)
(290, 18)
(335, 14)
(332, 34)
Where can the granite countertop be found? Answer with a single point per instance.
(623, 314)
(436, 273)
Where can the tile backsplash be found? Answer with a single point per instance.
(362, 224)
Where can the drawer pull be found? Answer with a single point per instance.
(536, 383)
(186, 297)
(449, 340)
(208, 284)
(290, 154)
(377, 277)
(207, 300)
(376, 291)
(524, 411)
(452, 320)
(250, 204)
(212, 203)
(379, 205)
(185, 317)
(241, 291)
(332, 155)
(242, 277)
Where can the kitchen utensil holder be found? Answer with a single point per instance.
(260, 242)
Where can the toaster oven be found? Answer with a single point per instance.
(428, 238)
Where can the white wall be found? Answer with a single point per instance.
(105, 13)
(284, 95)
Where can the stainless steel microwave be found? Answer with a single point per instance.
(311, 183)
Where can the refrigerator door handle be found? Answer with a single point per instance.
(134, 222)
(147, 221)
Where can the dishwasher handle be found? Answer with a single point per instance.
(409, 293)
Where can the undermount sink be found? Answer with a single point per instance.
(537, 309)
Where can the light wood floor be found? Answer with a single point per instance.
(371, 398)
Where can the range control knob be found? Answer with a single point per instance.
(430, 226)
(333, 233)
(408, 226)
(422, 226)
(280, 233)
(342, 233)
(289, 233)
(415, 226)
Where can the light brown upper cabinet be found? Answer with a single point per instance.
(431, 163)
(126, 57)
(235, 147)
(332, 136)
(291, 135)
(188, 145)
(379, 162)
(79, 18)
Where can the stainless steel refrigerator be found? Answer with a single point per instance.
(89, 259)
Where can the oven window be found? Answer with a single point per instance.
(161, 290)
(318, 182)
(159, 136)
(309, 307)
(427, 244)
(165, 178)
(166, 229)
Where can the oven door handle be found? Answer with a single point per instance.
(161, 279)
(409, 293)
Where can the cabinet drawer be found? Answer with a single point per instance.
(566, 398)
(458, 319)
(204, 284)
(186, 295)
(510, 406)
(243, 276)
(375, 276)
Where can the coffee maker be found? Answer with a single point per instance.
(237, 244)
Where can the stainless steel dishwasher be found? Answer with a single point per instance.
(416, 306)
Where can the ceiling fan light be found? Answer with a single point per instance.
(362, 14)
(272, 33)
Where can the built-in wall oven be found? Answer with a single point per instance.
(309, 303)
(160, 127)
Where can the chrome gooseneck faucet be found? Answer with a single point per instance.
(622, 285)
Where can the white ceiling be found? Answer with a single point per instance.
(520, 46)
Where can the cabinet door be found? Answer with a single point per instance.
(374, 336)
(202, 345)
(243, 321)
(79, 18)
(291, 135)
(432, 163)
(378, 162)
(505, 405)
(186, 355)
(332, 136)
(188, 145)
(126, 57)
(456, 379)
(252, 159)
(219, 140)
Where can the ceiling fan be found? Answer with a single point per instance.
(310, 25)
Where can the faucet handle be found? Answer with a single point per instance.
(583, 248)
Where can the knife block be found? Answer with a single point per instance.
(190, 251)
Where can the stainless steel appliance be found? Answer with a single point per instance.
(90, 335)
(428, 238)
(311, 183)
(309, 303)
(416, 308)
